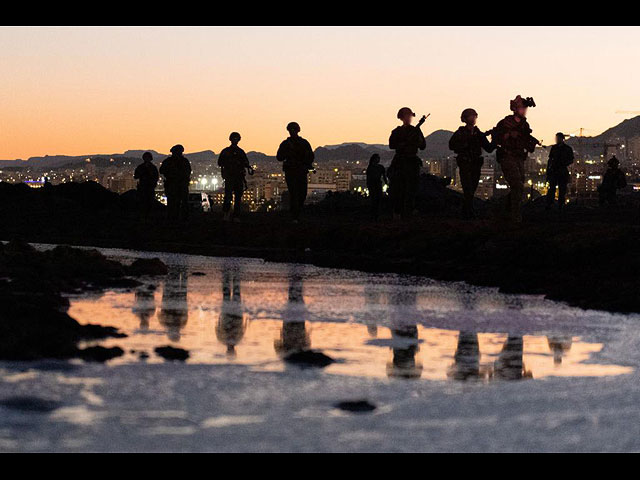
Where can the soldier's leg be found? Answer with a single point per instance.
(184, 203)
(238, 191)
(466, 180)
(171, 205)
(293, 186)
(228, 193)
(376, 195)
(411, 189)
(304, 184)
(551, 193)
(397, 192)
(562, 194)
(513, 175)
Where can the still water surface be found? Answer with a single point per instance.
(254, 313)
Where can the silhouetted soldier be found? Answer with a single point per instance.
(296, 156)
(233, 162)
(404, 333)
(613, 180)
(147, 175)
(468, 142)
(144, 307)
(176, 170)
(375, 176)
(560, 157)
(231, 325)
(559, 345)
(510, 363)
(513, 138)
(404, 171)
(293, 336)
(174, 310)
(467, 357)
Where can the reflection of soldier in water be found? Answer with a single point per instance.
(404, 333)
(293, 336)
(144, 307)
(559, 344)
(372, 300)
(510, 364)
(231, 325)
(174, 312)
(466, 363)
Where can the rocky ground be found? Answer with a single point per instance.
(588, 257)
(33, 319)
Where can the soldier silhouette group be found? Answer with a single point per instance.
(511, 138)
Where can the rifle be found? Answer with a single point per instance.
(422, 120)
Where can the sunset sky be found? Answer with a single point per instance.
(105, 90)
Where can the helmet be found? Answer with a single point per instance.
(405, 110)
(519, 102)
(234, 135)
(613, 162)
(177, 149)
(293, 126)
(466, 113)
(147, 156)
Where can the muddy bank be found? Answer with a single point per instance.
(34, 323)
(587, 257)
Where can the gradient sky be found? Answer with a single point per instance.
(104, 90)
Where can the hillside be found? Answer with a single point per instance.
(625, 130)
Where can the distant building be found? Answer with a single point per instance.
(121, 184)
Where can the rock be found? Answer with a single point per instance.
(357, 406)
(147, 266)
(99, 353)
(172, 353)
(29, 404)
(309, 359)
(33, 320)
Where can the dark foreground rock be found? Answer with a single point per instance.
(588, 257)
(309, 359)
(147, 266)
(356, 406)
(172, 353)
(99, 353)
(33, 319)
(29, 404)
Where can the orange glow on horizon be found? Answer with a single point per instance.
(79, 91)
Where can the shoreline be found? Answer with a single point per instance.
(480, 253)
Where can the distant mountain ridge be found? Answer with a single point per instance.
(437, 147)
(54, 161)
(626, 129)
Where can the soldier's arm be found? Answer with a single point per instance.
(281, 155)
(423, 142)
(487, 146)
(136, 174)
(393, 140)
(309, 155)
(569, 156)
